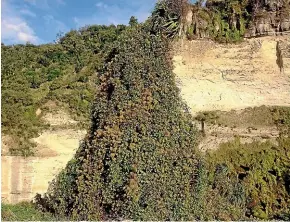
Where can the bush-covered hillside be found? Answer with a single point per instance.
(66, 71)
(139, 160)
(262, 169)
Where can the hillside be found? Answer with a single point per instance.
(198, 75)
(65, 72)
(22, 178)
(253, 75)
(183, 117)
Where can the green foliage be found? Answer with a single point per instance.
(23, 212)
(225, 195)
(139, 159)
(281, 117)
(53, 74)
(190, 32)
(223, 21)
(133, 21)
(65, 71)
(256, 174)
(263, 170)
(167, 17)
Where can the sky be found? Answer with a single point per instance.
(39, 21)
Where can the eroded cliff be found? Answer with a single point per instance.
(230, 21)
(215, 76)
(210, 76)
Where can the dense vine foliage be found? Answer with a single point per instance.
(139, 159)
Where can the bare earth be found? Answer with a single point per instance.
(213, 76)
(22, 177)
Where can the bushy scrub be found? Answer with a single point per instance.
(65, 71)
(225, 197)
(281, 117)
(263, 170)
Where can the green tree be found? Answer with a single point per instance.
(133, 21)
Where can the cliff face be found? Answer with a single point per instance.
(215, 76)
(269, 17)
(22, 178)
(230, 21)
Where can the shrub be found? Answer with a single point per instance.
(281, 117)
(225, 196)
(262, 169)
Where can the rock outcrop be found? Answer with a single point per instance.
(230, 21)
(269, 17)
(22, 178)
(215, 76)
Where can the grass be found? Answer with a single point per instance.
(256, 117)
(24, 211)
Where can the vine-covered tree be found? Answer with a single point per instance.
(139, 159)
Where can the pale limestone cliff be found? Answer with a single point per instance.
(215, 76)
(22, 178)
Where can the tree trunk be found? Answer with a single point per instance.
(202, 127)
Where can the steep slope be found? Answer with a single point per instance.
(65, 71)
(251, 78)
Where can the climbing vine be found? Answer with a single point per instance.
(139, 159)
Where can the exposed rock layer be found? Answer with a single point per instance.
(230, 20)
(22, 178)
(223, 77)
